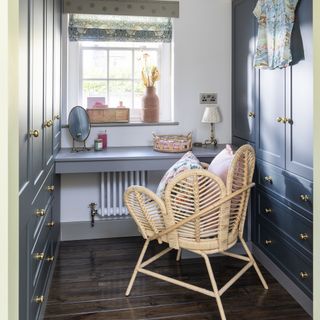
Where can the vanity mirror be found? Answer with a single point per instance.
(79, 127)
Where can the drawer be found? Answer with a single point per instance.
(297, 266)
(39, 207)
(293, 188)
(41, 250)
(38, 297)
(296, 226)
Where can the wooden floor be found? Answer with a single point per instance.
(91, 277)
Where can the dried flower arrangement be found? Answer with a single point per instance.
(150, 73)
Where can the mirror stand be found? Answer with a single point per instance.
(79, 149)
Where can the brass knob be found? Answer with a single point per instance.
(304, 275)
(267, 210)
(39, 299)
(50, 259)
(50, 188)
(38, 256)
(40, 212)
(57, 117)
(251, 115)
(50, 224)
(288, 120)
(267, 242)
(48, 124)
(304, 197)
(304, 236)
(34, 133)
(280, 120)
(268, 179)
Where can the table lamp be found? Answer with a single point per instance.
(211, 115)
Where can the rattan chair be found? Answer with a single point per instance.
(200, 214)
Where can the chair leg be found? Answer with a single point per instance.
(133, 277)
(214, 286)
(179, 255)
(263, 281)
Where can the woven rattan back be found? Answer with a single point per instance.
(146, 209)
(189, 193)
(240, 175)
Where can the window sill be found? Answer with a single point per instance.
(131, 124)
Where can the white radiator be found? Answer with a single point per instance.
(113, 185)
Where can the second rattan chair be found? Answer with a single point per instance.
(200, 214)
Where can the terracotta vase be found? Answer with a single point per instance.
(150, 103)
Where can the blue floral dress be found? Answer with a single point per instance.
(275, 20)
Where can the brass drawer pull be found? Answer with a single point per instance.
(267, 210)
(251, 115)
(304, 197)
(50, 259)
(34, 133)
(39, 299)
(50, 188)
(268, 242)
(284, 120)
(304, 236)
(38, 256)
(50, 224)
(304, 275)
(268, 179)
(48, 124)
(40, 212)
(280, 120)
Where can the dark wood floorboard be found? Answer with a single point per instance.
(91, 277)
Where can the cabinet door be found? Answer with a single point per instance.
(243, 43)
(270, 141)
(299, 151)
(48, 123)
(37, 90)
(57, 76)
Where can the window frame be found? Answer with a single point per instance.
(105, 47)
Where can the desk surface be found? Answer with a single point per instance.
(124, 159)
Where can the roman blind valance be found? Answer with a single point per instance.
(86, 27)
(148, 8)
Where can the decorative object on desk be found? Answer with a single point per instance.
(107, 115)
(211, 115)
(150, 101)
(98, 144)
(103, 136)
(172, 143)
(79, 127)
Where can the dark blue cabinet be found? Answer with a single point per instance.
(243, 74)
(39, 70)
(282, 203)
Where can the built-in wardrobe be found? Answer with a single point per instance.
(39, 112)
(273, 111)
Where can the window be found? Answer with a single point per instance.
(109, 73)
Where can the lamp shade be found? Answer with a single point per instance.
(211, 114)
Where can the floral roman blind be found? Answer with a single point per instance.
(86, 27)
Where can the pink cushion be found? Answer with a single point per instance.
(221, 163)
(187, 162)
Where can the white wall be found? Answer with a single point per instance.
(202, 63)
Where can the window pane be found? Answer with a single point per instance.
(120, 91)
(139, 61)
(94, 89)
(139, 91)
(95, 64)
(120, 64)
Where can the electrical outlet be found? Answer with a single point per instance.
(208, 98)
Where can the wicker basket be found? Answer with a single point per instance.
(172, 143)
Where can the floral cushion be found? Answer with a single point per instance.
(221, 163)
(187, 162)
